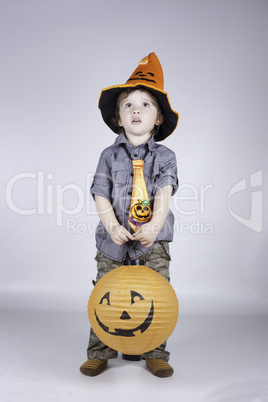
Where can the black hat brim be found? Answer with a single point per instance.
(107, 105)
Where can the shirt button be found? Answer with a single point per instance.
(130, 192)
(135, 155)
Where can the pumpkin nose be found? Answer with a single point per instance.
(125, 316)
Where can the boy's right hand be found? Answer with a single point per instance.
(120, 235)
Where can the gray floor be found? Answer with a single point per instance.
(216, 359)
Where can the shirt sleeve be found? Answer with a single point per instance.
(102, 180)
(167, 173)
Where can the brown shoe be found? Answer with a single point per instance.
(93, 367)
(159, 367)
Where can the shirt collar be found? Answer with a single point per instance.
(121, 139)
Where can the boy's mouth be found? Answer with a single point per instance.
(136, 120)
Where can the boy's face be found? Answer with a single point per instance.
(138, 115)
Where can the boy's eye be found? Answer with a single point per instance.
(146, 104)
(128, 105)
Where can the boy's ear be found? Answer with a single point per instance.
(159, 121)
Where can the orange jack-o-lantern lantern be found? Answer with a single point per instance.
(133, 309)
(141, 211)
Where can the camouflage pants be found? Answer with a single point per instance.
(157, 258)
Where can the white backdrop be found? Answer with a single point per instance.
(56, 56)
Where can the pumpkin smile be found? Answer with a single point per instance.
(129, 332)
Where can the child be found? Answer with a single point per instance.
(140, 112)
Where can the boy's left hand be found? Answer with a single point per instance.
(147, 233)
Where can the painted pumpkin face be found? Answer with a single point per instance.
(133, 309)
(141, 211)
(142, 75)
(135, 297)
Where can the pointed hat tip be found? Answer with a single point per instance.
(148, 58)
(145, 60)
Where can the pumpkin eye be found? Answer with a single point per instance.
(134, 295)
(146, 209)
(139, 208)
(105, 299)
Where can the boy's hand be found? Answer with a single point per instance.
(147, 234)
(120, 235)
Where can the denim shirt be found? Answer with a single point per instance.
(113, 180)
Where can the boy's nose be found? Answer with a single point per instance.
(136, 111)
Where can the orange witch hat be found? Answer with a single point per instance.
(148, 74)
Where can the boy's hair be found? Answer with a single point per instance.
(123, 94)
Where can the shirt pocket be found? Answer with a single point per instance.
(119, 173)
